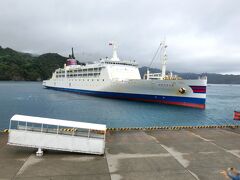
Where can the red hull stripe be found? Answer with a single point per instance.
(198, 89)
(237, 113)
(200, 106)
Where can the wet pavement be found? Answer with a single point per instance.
(157, 154)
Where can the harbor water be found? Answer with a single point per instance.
(30, 98)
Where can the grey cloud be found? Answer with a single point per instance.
(202, 35)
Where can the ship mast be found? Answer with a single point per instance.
(164, 58)
(114, 49)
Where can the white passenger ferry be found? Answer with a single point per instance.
(115, 78)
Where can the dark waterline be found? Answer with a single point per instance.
(30, 98)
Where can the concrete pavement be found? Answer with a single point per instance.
(143, 154)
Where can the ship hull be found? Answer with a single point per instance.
(165, 92)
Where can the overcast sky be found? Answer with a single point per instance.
(202, 35)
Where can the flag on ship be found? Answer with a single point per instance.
(236, 115)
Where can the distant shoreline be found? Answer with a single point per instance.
(42, 81)
(18, 66)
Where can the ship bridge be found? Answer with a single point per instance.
(124, 63)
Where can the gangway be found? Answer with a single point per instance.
(56, 134)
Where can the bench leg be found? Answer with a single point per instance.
(39, 152)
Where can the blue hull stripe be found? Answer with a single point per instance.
(133, 96)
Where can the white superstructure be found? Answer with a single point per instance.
(115, 78)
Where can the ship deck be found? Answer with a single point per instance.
(157, 154)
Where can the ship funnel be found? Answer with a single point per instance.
(114, 48)
(73, 54)
(71, 60)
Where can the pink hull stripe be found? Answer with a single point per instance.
(193, 105)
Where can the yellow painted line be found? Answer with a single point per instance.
(172, 127)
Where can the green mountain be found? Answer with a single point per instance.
(23, 66)
(20, 66)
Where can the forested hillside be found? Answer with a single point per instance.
(22, 66)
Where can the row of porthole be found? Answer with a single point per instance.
(82, 75)
(166, 85)
(86, 80)
(68, 77)
(81, 80)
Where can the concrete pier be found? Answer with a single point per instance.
(158, 154)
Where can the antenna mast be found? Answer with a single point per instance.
(114, 49)
(164, 58)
